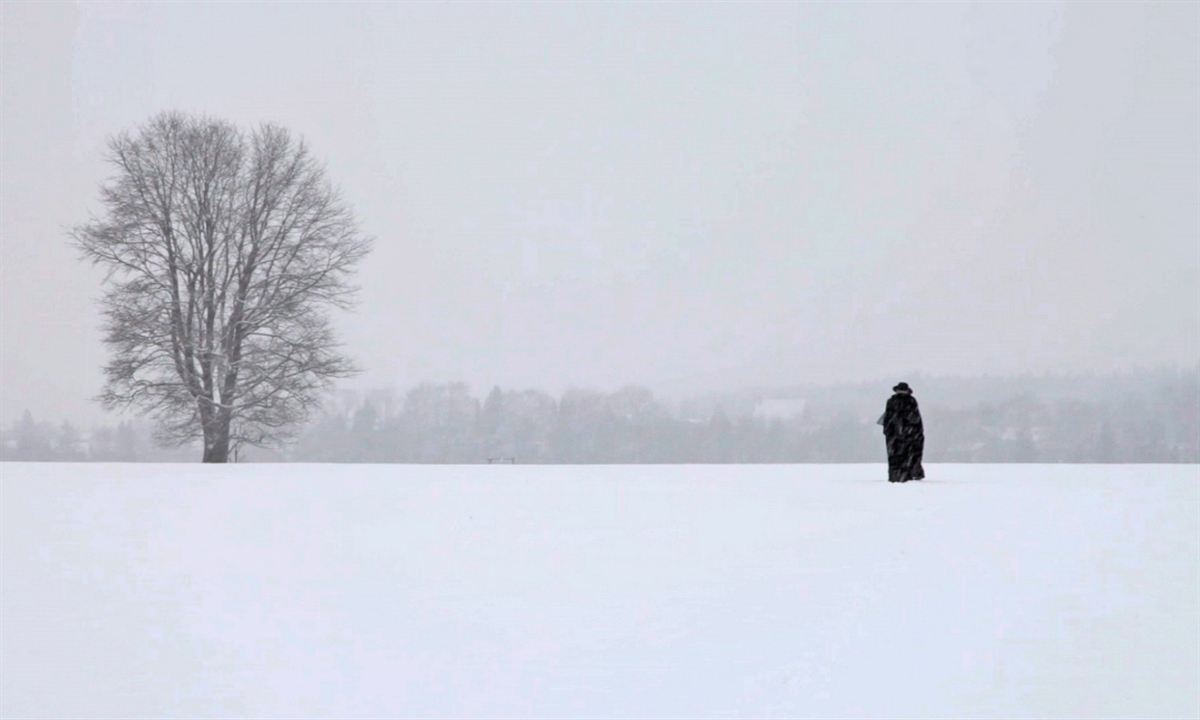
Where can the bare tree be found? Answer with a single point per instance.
(224, 251)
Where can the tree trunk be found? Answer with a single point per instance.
(216, 446)
(216, 454)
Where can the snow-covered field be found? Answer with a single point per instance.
(603, 591)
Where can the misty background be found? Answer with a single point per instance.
(753, 213)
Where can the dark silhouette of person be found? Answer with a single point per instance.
(905, 435)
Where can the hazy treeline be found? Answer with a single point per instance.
(1147, 416)
(30, 439)
(1137, 417)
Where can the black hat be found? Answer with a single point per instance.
(902, 387)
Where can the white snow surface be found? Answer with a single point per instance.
(355, 591)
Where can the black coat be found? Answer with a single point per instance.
(902, 417)
(905, 434)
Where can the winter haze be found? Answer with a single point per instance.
(692, 197)
(644, 275)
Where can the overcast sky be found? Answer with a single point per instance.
(687, 196)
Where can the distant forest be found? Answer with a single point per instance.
(1133, 417)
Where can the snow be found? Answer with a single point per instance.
(599, 591)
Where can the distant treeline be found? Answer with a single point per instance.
(32, 440)
(1147, 416)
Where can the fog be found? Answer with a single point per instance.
(692, 197)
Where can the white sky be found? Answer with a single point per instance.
(691, 197)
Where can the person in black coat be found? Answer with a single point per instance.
(905, 435)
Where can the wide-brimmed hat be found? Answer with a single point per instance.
(902, 387)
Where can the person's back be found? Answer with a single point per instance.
(902, 416)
